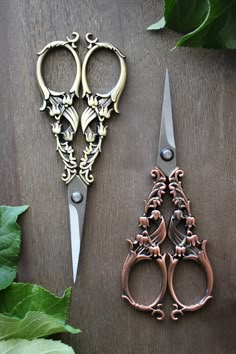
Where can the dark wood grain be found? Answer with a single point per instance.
(204, 103)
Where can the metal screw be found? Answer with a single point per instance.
(167, 154)
(77, 197)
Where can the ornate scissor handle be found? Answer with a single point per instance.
(146, 246)
(69, 44)
(60, 106)
(99, 107)
(187, 245)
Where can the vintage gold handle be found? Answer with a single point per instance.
(70, 45)
(115, 93)
(60, 107)
(100, 107)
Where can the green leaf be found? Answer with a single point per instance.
(185, 15)
(36, 346)
(182, 15)
(33, 325)
(30, 311)
(218, 30)
(9, 243)
(206, 23)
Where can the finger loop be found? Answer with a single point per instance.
(116, 91)
(203, 261)
(155, 307)
(146, 247)
(60, 108)
(69, 44)
(187, 245)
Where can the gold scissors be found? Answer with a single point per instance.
(66, 122)
(187, 246)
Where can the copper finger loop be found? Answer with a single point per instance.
(147, 246)
(187, 245)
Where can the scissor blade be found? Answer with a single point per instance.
(166, 159)
(77, 196)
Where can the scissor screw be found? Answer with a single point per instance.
(77, 197)
(167, 154)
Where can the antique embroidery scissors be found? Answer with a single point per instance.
(187, 246)
(60, 106)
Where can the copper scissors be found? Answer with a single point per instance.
(78, 176)
(187, 246)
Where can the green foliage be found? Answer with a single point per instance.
(30, 311)
(36, 346)
(27, 311)
(205, 23)
(9, 243)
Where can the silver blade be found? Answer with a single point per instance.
(76, 190)
(166, 159)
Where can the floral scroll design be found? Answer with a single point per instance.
(146, 245)
(60, 107)
(187, 245)
(100, 107)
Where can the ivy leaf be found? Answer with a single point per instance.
(30, 311)
(206, 23)
(36, 346)
(9, 243)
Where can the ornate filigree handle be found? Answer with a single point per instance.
(100, 107)
(187, 245)
(60, 107)
(146, 246)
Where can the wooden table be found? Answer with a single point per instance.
(203, 84)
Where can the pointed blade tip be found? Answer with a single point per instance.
(74, 277)
(75, 270)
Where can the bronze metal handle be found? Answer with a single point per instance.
(203, 261)
(146, 246)
(187, 245)
(155, 307)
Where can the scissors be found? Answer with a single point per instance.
(66, 122)
(187, 246)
